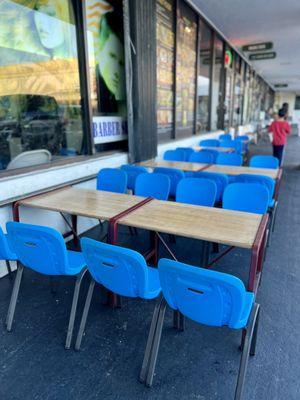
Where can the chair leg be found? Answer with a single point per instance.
(176, 319)
(254, 338)
(9, 270)
(181, 322)
(274, 216)
(14, 297)
(156, 343)
(245, 353)
(205, 254)
(145, 364)
(73, 308)
(85, 315)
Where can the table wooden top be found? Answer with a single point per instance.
(219, 149)
(233, 170)
(183, 166)
(205, 223)
(84, 202)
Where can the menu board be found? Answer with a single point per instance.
(186, 69)
(165, 65)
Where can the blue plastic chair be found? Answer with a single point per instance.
(229, 143)
(174, 155)
(225, 136)
(112, 180)
(266, 181)
(214, 153)
(43, 250)
(229, 159)
(209, 298)
(153, 185)
(197, 191)
(264, 162)
(6, 253)
(122, 271)
(248, 197)
(209, 143)
(187, 151)
(202, 157)
(221, 180)
(175, 175)
(132, 172)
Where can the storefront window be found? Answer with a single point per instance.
(40, 101)
(107, 73)
(165, 67)
(229, 80)
(238, 93)
(203, 80)
(185, 69)
(217, 84)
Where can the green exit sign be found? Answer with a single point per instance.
(258, 46)
(262, 56)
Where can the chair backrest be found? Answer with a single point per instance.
(229, 143)
(187, 152)
(174, 155)
(221, 181)
(112, 180)
(30, 158)
(175, 175)
(230, 159)
(264, 162)
(268, 182)
(205, 296)
(202, 157)
(38, 247)
(210, 143)
(242, 138)
(132, 172)
(153, 185)
(6, 252)
(214, 153)
(225, 136)
(248, 197)
(197, 191)
(123, 271)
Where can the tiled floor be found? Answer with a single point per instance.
(200, 363)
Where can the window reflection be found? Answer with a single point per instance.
(40, 103)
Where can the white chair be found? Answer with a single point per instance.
(30, 158)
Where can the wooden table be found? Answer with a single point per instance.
(219, 149)
(234, 170)
(204, 223)
(183, 166)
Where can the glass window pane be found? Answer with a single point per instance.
(217, 96)
(185, 70)
(165, 67)
(107, 73)
(228, 104)
(203, 80)
(40, 101)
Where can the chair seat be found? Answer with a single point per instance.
(76, 262)
(11, 256)
(248, 304)
(154, 288)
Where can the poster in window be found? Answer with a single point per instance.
(165, 65)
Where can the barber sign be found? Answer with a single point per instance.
(109, 129)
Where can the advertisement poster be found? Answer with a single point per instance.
(109, 129)
(186, 71)
(106, 57)
(165, 65)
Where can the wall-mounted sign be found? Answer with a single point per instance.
(262, 56)
(281, 85)
(228, 59)
(108, 129)
(258, 46)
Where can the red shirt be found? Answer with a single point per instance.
(279, 130)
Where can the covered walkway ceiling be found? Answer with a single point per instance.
(253, 21)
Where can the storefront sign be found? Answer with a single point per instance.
(258, 46)
(108, 129)
(262, 56)
(228, 59)
(281, 85)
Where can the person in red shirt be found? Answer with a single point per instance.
(279, 130)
